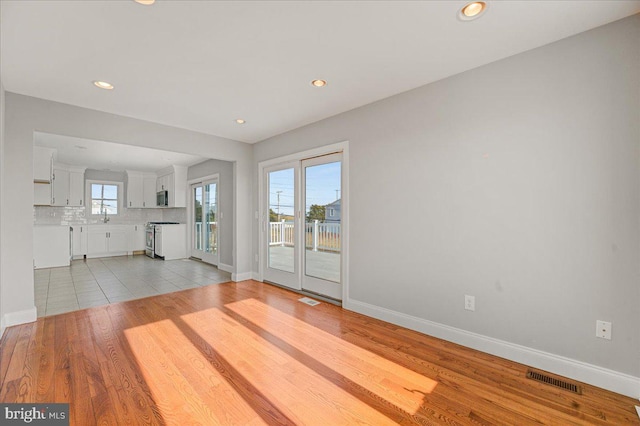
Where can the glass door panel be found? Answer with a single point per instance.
(197, 221)
(280, 226)
(322, 188)
(210, 241)
(204, 231)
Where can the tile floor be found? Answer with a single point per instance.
(97, 282)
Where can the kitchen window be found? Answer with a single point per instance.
(105, 197)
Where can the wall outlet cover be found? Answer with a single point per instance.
(603, 329)
(469, 302)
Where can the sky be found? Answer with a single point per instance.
(322, 181)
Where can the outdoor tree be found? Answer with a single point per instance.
(273, 216)
(198, 211)
(316, 212)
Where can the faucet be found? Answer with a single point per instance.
(106, 219)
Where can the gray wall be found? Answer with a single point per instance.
(225, 201)
(2, 310)
(24, 115)
(517, 182)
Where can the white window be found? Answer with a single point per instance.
(105, 197)
(331, 212)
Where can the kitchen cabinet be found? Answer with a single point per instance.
(173, 179)
(162, 183)
(134, 190)
(60, 193)
(141, 190)
(79, 241)
(51, 246)
(68, 186)
(137, 238)
(42, 164)
(41, 194)
(107, 240)
(171, 241)
(149, 191)
(76, 188)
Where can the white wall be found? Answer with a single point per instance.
(2, 326)
(517, 182)
(24, 115)
(225, 200)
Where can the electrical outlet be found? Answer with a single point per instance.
(603, 329)
(469, 302)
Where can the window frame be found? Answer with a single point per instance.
(88, 196)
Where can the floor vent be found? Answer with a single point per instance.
(309, 301)
(541, 377)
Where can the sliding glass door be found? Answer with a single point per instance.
(301, 222)
(204, 231)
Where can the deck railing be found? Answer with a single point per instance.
(213, 235)
(318, 236)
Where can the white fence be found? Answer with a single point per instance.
(318, 236)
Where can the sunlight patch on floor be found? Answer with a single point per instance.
(182, 380)
(295, 389)
(398, 385)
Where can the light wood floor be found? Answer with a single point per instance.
(250, 353)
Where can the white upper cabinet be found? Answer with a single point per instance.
(141, 190)
(42, 174)
(173, 179)
(60, 193)
(76, 188)
(68, 186)
(149, 191)
(135, 194)
(42, 164)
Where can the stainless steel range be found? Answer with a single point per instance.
(150, 232)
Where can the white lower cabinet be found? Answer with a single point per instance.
(107, 240)
(79, 241)
(51, 246)
(137, 238)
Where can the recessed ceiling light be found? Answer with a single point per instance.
(240, 121)
(145, 2)
(318, 83)
(472, 10)
(103, 85)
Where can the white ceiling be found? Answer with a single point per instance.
(111, 156)
(200, 65)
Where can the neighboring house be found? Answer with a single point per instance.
(332, 211)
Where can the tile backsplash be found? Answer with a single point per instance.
(45, 215)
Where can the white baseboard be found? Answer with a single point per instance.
(256, 276)
(19, 317)
(224, 267)
(2, 327)
(567, 367)
(242, 276)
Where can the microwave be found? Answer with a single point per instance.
(162, 198)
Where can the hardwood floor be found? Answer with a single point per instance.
(250, 353)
